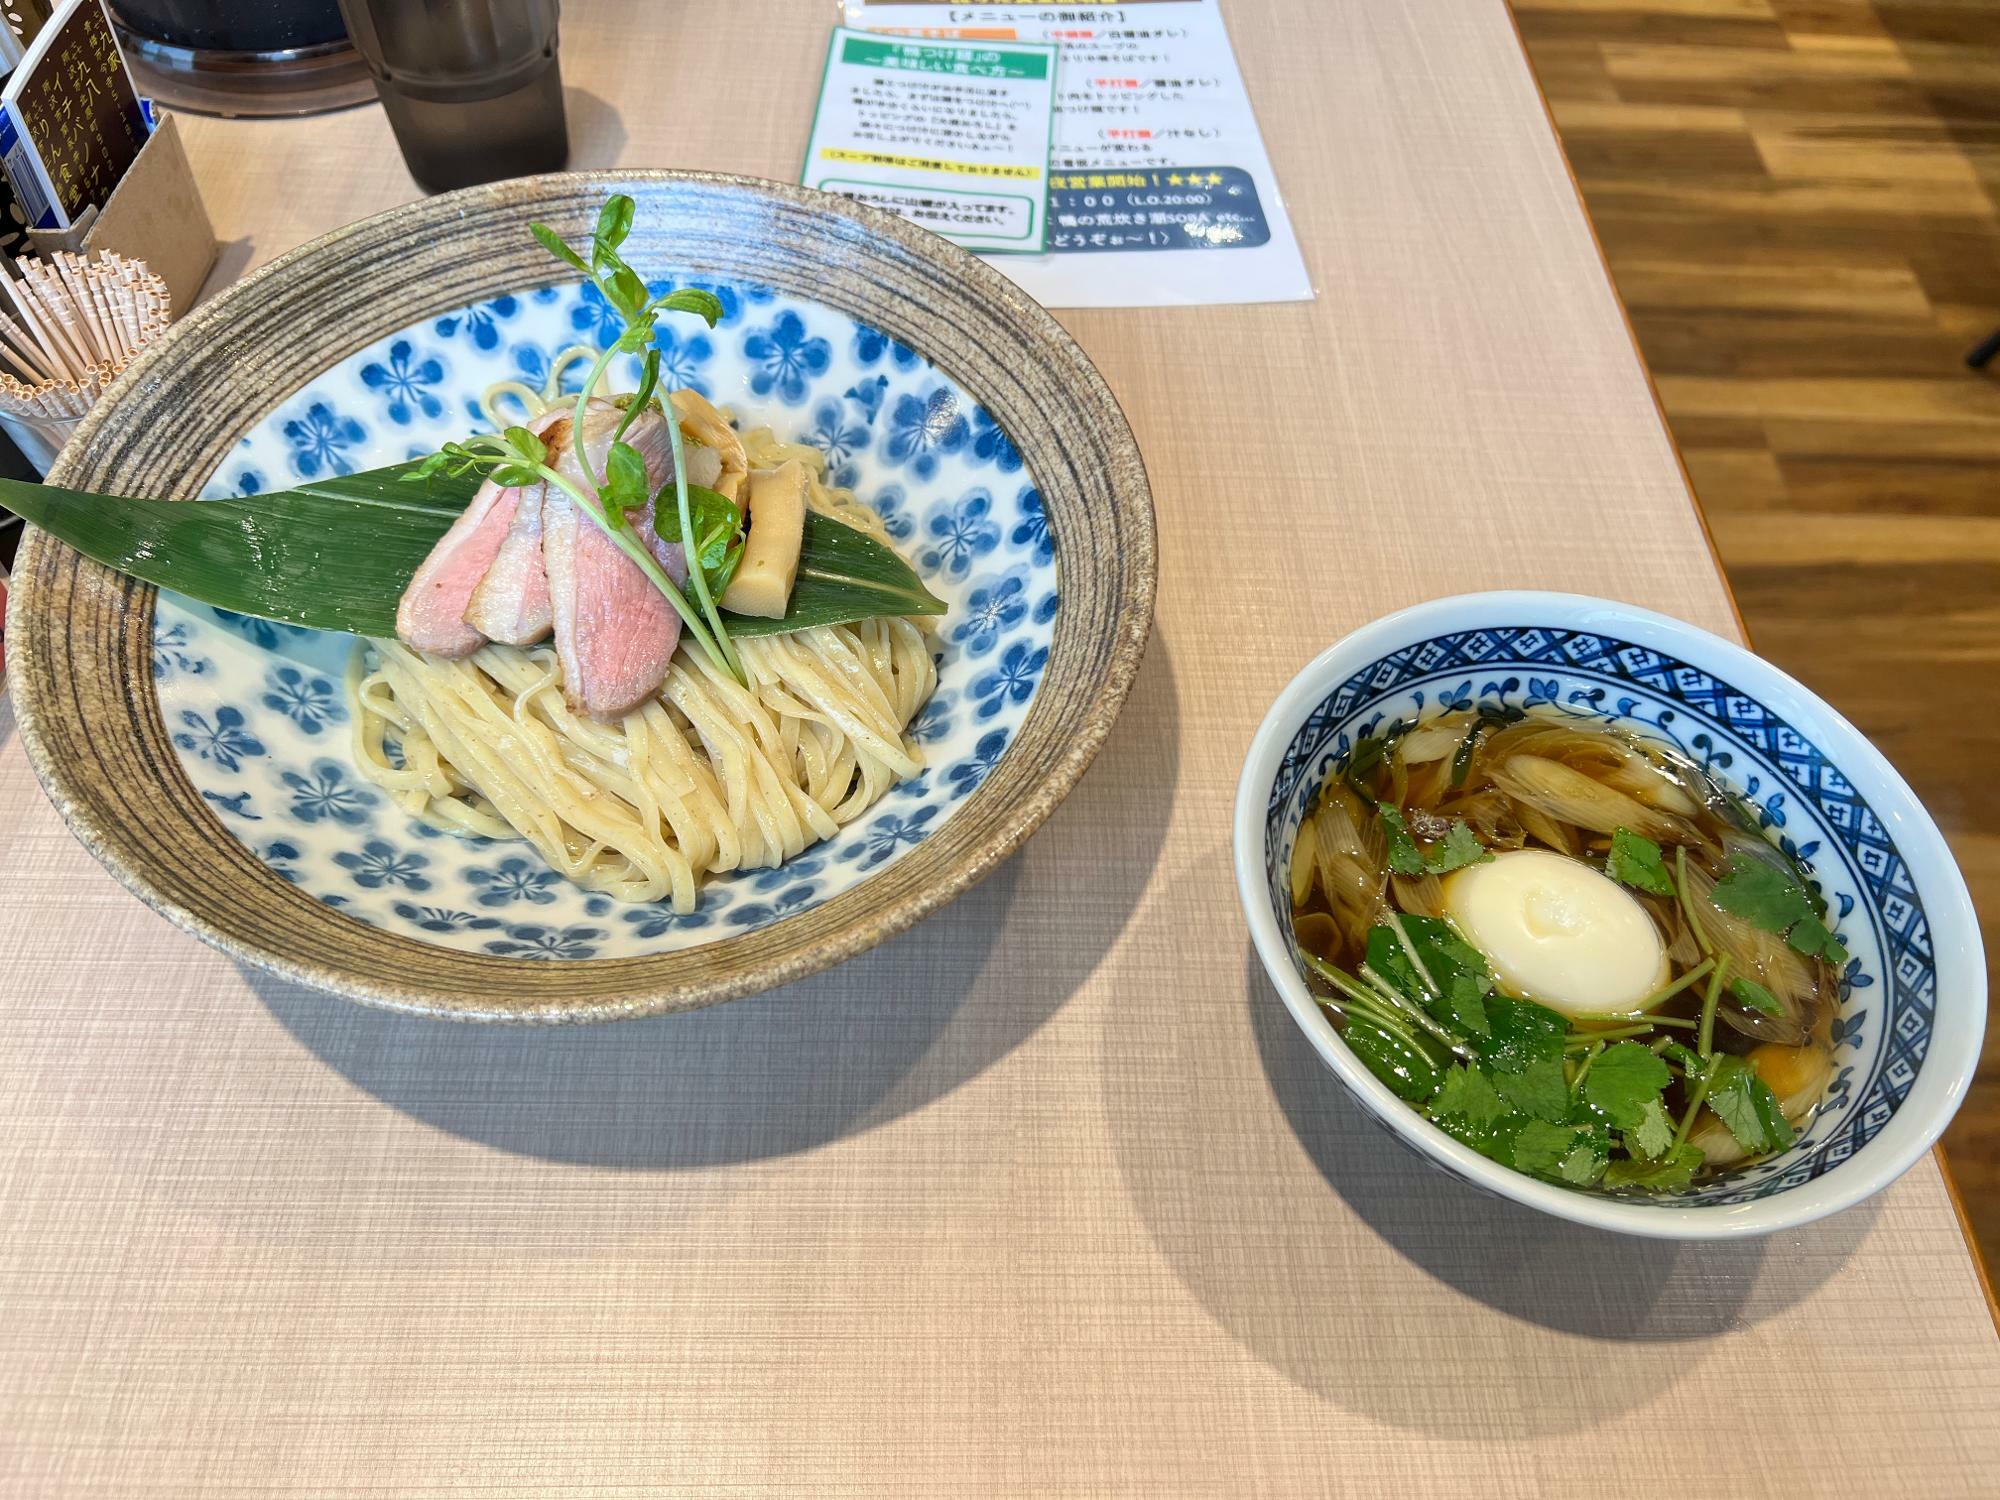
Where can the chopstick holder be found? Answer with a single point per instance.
(155, 214)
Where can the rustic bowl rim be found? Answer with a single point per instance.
(1137, 562)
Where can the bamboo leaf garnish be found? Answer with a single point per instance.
(336, 553)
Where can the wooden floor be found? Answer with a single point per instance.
(1798, 202)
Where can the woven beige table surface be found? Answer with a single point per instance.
(1046, 1196)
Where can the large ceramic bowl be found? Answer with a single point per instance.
(204, 757)
(1913, 995)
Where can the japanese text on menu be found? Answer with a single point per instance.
(1160, 190)
(951, 134)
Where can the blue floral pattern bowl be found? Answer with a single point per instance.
(1913, 992)
(205, 759)
(259, 717)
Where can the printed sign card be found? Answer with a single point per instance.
(1160, 190)
(951, 134)
(70, 123)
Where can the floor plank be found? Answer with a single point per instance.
(1797, 199)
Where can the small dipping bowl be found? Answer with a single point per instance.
(1912, 995)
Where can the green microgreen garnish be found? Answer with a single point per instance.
(612, 498)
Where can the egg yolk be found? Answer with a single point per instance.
(1558, 932)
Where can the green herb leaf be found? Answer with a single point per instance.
(1691, 1061)
(553, 243)
(1669, 1174)
(1460, 847)
(1765, 896)
(1624, 1078)
(1576, 1154)
(717, 520)
(614, 222)
(626, 292)
(626, 487)
(1519, 1033)
(1386, 957)
(1753, 996)
(1654, 1133)
(525, 445)
(1463, 1005)
(1637, 862)
(1810, 936)
(1412, 1072)
(1746, 1105)
(1467, 1094)
(1404, 856)
(1456, 967)
(1444, 952)
(692, 299)
(1538, 1090)
(1584, 1163)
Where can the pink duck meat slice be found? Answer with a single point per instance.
(511, 603)
(431, 614)
(614, 631)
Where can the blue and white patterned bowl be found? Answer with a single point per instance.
(259, 719)
(1913, 996)
(205, 759)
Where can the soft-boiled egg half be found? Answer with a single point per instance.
(1558, 932)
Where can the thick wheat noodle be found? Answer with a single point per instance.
(708, 777)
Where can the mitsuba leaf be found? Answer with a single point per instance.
(1468, 1094)
(1538, 1090)
(1622, 1080)
(1745, 1104)
(1669, 1174)
(1411, 1072)
(1386, 957)
(1650, 1138)
(1459, 847)
(1404, 856)
(1753, 996)
(1576, 1154)
(1638, 862)
(1766, 896)
(1519, 1032)
(1462, 1006)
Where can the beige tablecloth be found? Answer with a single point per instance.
(1046, 1196)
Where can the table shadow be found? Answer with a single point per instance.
(1635, 1300)
(882, 1035)
(1256, 1239)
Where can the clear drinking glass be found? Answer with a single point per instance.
(472, 88)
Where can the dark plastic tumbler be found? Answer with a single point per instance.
(472, 88)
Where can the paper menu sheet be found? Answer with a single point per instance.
(1160, 191)
(952, 134)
